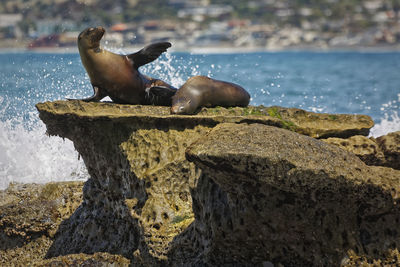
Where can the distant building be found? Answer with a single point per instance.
(200, 13)
(381, 17)
(372, 5)
(51, 26)
(9, 25)
(52, 40)
(46, 27)
(188, 3)
(55, 40)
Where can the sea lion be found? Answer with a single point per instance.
(117, 76)
(201, 91)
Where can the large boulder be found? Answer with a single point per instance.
(141, 186)
(268, 194)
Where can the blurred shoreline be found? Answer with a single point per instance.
(204, 26)
(211, 49)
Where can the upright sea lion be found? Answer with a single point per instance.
(117, 76)
(201, 91)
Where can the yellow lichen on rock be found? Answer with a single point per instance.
(157, 157)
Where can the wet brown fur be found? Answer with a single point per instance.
(115, 75)
(199, 91)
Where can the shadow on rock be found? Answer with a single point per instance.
(285, 198)
(97, 226)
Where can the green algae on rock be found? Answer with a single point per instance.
(317, 125)
(322, 125)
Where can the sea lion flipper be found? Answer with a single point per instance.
(159, 95)
(96, 97)
(148, 53)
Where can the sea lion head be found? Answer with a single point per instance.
(181, 105)
(90, 38)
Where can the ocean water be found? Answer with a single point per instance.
(333, 82)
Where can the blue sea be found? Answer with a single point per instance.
(333, 82)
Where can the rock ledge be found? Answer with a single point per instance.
(164, 189)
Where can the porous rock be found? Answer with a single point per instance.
(382, 151)
(323, 125)
(390, 145)
(268, 194)
(99, 259)
(391, 258)
(365, 148)
(29, 217)
(139, 196)
(317, 125)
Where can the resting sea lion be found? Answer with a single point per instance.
(201, 91)
(117, 76)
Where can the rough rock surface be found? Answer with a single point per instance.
(317, 125)
(383, 151)
(139, 175)
(139, 196)
(365, 148)
(98, 259)
(391, 258)
(390, 145)
(29, 218)
(271, 194)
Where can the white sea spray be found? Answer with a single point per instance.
(388, 124)
(390, 121)
(165, 70)
(30, 156)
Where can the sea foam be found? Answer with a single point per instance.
(390, 121)
(388, 124)
(30, 156)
